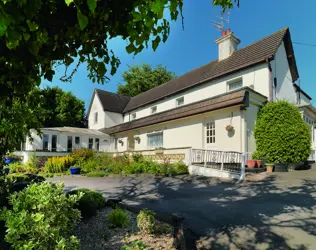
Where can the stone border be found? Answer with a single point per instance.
(184, 237)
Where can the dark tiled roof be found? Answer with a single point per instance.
(110, 101)
(239, 97)
(255, 53)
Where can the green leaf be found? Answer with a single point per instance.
(49, 75)
(68, 2)
(4, 22)
(130, 48)
(156, 6)
(92, 4)
(32, 25)
(68, 60)
(34, 48)
(101, 69)
(82, 20)
(156, 42)
(26, 36)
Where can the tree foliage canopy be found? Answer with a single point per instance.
(36, 36)
(62, 109)
(17, 120)
(281, 133)
(139, 79)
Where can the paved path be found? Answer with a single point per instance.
(278, 212)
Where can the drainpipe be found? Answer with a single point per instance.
(268, 60)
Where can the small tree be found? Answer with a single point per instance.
(139, 79)
(281, 134)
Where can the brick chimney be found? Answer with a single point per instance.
(227, 44)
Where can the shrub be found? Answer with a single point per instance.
(89, 165)
(134, 168)
(118, 218)
(82, 154)
(90, 202)
(138, 157)
(146, 221)
(135, 245)
(58, 164)
(163, 228)
(34, 162)
(105, 158)
(18, 177)
(97, 174)
(17, 167)
(281, 134)
(42, 218)
(5, 190)
(180, 168)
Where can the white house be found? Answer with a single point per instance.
(194, 110)
(61, 141)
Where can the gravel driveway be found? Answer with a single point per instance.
(277, 212)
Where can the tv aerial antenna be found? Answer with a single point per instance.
(219, 25)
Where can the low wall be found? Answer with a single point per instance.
(210, 172)
(168, 154)
(27, 154)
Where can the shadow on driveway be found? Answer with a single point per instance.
(278, 212)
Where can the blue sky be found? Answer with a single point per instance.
(194, 46)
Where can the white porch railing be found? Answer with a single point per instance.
(212, 161)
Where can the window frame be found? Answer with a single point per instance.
(97, 144)
(234, 81)
(52, 148)
(44, 142)
(154, 134)
(89, 143)
(178, 99)
(96, 117)
(69, 149)
(153, 108)
(210, 132)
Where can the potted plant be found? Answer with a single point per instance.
(75, 169)
(229, 127)
(269, 166)
(137, 138)
(251, 163)
(10, 158)
(258, 158)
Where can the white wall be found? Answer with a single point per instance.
(191, 132)
(250, 119)
(112, 119)
(281, 70)
(96, 107)
(257, 76)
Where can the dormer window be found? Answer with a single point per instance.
(179, 101)
(235, 84)
(133, 116)
(153, 110)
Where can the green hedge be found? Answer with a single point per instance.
(281, 133)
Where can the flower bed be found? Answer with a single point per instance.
(96, 233)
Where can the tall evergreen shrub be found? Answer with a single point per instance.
(281, 133)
